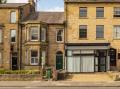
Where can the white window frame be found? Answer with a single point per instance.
(11, 35)
(13, 18)
(61, 35)
(34, 58)
(44, 30)
(34, 28)
(115, 32)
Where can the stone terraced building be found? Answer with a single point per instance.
(83, 38)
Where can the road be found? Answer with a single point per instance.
(59, 87)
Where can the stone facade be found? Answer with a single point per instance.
(26, 18)
(54, 46)
(73, 21)
(50, 23)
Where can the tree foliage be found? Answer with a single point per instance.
(3, 1)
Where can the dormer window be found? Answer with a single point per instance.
(13, 17)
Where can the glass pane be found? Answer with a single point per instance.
(83, 12)
(117, 11)
(102, 60)
(117, 31)
(96, 68)
(32, 60)
(34, 33)
(102, 68)
(13, 35)
(36, 60)
(99, 31)
(69, 53)
(83, 31)
(34, 53)
(43, 34)
(96, 61)
(34, 37)
(60, 35)
(13, 17)
(100, 12)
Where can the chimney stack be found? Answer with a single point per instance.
(32, 3)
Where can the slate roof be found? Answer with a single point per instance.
(12, 5)
(112, 1)
(47, 17)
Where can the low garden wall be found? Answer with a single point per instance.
(115, 75)
(20, 77)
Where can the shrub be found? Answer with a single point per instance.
(2, 71)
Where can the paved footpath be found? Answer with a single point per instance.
(58, 84)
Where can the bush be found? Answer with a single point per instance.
(2, 71)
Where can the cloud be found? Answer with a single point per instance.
(55, 9)
(17, 1)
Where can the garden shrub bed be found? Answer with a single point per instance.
(20, 75)
(19, 72)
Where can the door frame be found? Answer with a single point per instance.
(12, 61)
(99, 65)
(56, 60)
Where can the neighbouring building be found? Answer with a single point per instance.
(83, 38)
(92, 40)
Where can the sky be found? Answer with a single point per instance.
(44, 5)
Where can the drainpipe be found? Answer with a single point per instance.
(65, 32)
(19, 40)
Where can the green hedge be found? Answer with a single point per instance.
(19, 71)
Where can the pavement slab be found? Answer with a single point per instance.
(57, 84)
